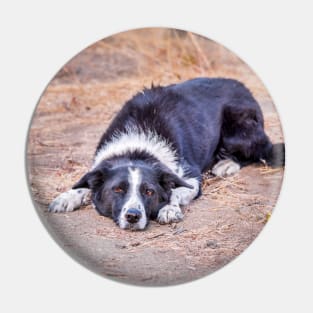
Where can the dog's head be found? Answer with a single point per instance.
(130, 194)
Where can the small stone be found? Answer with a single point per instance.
(135, 244)
(212, 244)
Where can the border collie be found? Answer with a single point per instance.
(149, 161)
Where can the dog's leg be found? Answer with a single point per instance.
(225, 168)
(70, 200)
(171, 212)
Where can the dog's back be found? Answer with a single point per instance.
(204, 119)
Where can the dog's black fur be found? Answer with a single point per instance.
(205, 119)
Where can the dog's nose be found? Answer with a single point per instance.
(133, 215)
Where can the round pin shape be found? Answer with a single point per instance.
(155, 157)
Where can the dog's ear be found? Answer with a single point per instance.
(92, 180)
(169, 180)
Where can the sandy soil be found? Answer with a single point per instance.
(76, 108)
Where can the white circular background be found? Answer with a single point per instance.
(275, 273)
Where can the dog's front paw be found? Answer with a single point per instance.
(69, 201)
(170, 214)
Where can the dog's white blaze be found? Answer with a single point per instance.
(134, 201)
(134, 139)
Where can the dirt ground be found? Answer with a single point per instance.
(76, 108)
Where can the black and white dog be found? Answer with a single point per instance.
(150, 160)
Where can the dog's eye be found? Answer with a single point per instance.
(149, 192)
(118, 189)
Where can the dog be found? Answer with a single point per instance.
(150, 160)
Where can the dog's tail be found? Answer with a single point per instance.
(276, 156)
